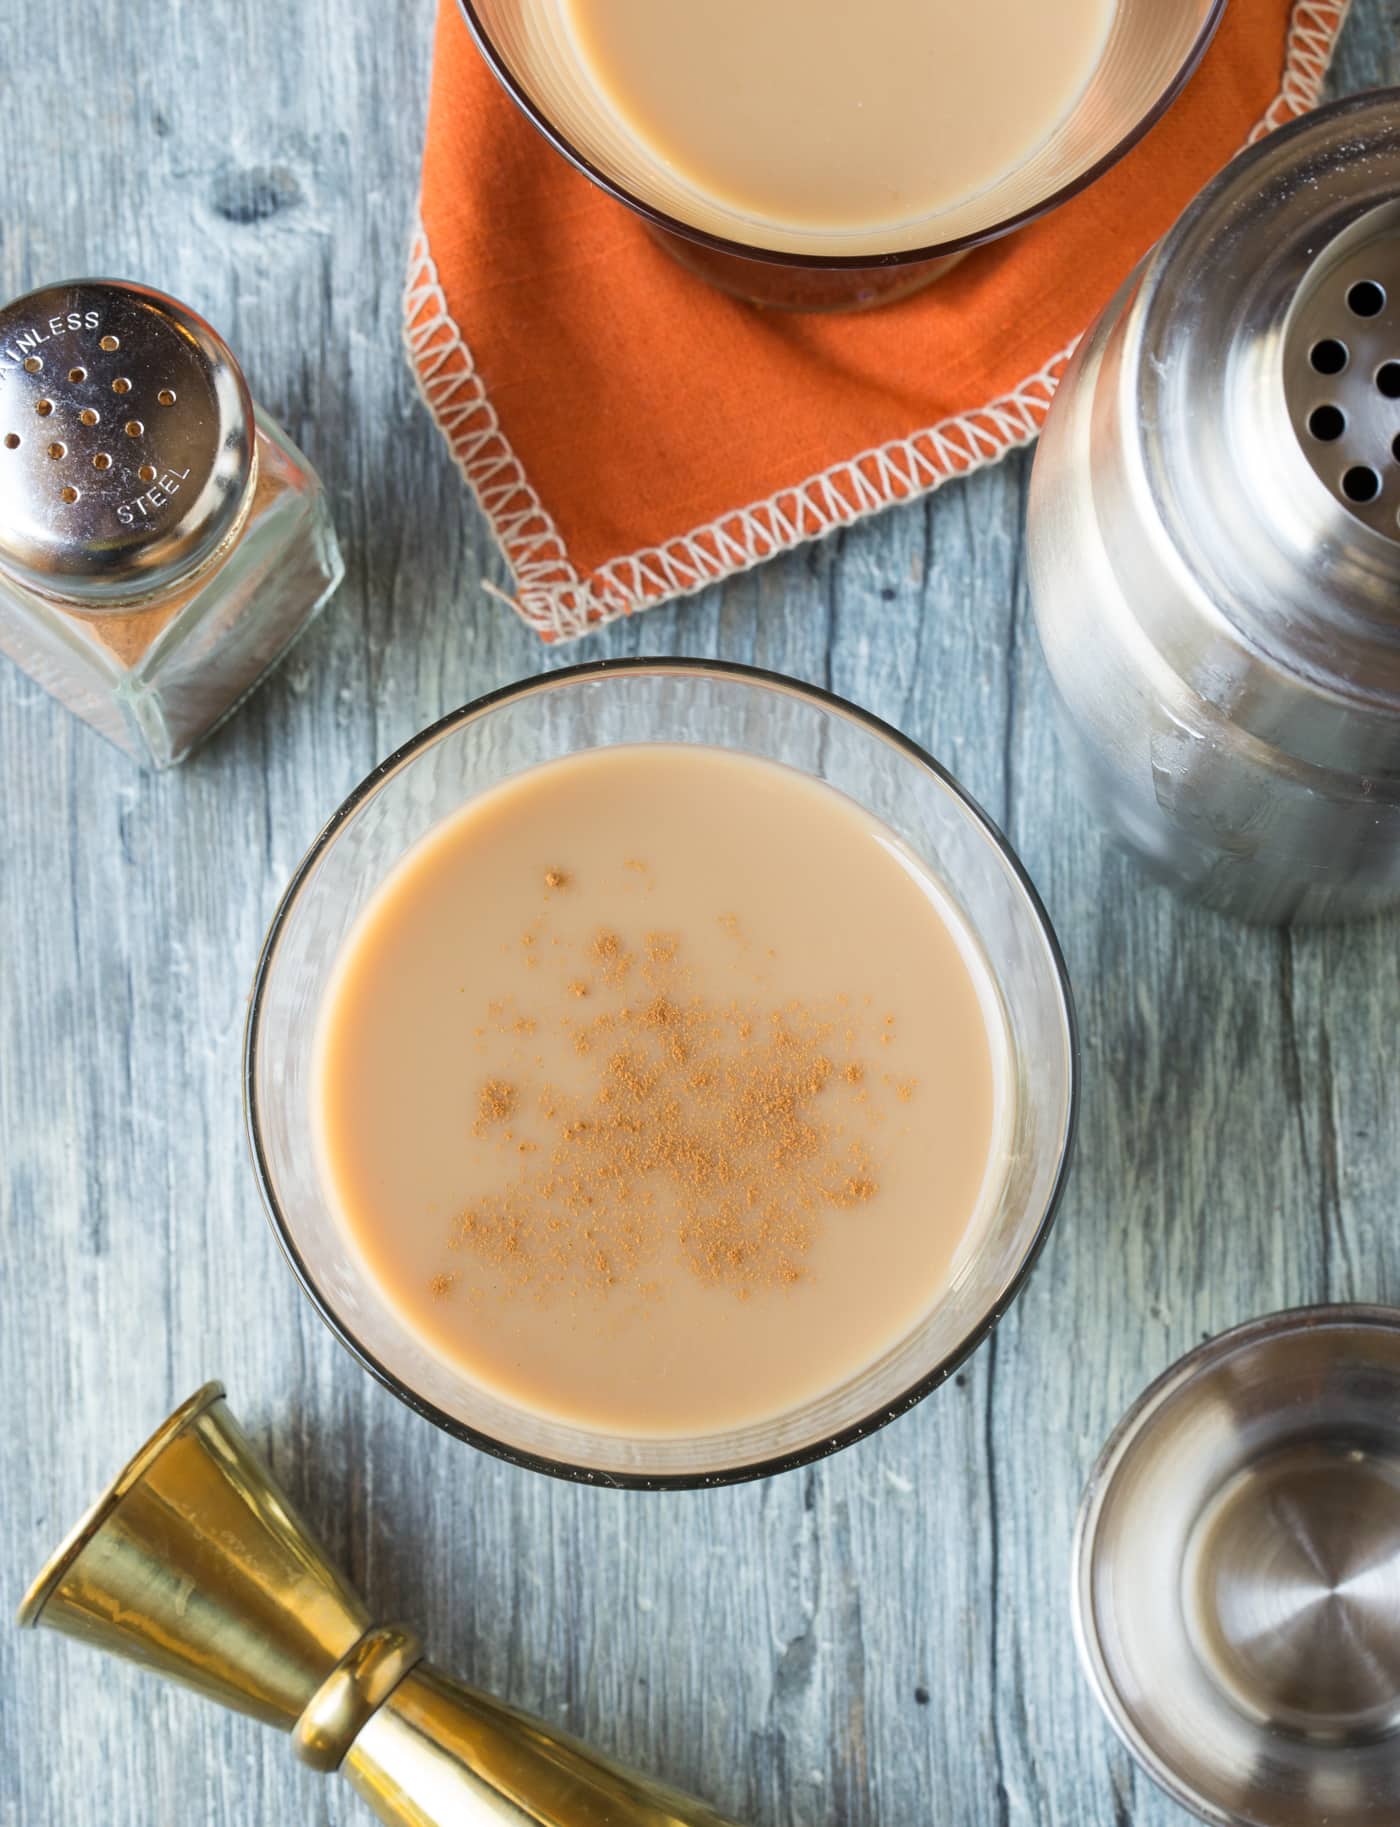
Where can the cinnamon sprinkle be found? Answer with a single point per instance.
(720, 1130)
(497, 1101)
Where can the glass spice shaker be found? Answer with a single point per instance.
(162, 542)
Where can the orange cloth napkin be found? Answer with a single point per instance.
(632, 434)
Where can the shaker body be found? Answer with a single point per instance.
(1225, 818)
(1246, 751)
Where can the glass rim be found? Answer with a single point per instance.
(935, 250)
(282, 1229)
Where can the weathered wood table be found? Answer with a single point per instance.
(882, 1638)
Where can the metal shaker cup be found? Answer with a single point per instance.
(1214, 533)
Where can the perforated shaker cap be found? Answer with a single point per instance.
(126, 442)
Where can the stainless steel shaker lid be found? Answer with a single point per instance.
(126, 441)
(1262, 377)
(1237, 1573)
(1341, 368)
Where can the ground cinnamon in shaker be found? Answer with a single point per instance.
(185, 543)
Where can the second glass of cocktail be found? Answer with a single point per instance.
(814, 155)
(661, 1073)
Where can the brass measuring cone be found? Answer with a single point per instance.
(194, 1563)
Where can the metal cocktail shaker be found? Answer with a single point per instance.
(1214, 533)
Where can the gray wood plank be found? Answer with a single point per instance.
(881, 1638)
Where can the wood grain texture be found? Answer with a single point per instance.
(882, 1638)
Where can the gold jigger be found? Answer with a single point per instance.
(194, 1563)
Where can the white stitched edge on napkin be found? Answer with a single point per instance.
(560, 605)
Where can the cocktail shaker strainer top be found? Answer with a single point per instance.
(1214, 532)
(1341, 369)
